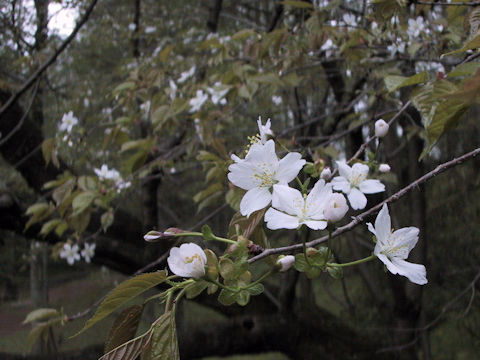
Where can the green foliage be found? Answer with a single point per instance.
(124, 328)
(124, 292)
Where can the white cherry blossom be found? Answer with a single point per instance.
(259, 171)
(188, 260)
(88, 251)
(335, 208)
(290, 208)
(197, 102)
(381, 128)
(68, 122)
(264, 130)
(186, 74)
(354, 183)
(392, 248)
(384, 168)
(415, 27)
(104, 173)
(70, 253)
(218, 92)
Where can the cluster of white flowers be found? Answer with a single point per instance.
(70, 252)
(265, 177)
(217, 96)
(68, 122)
(104, 173)
(184, 76)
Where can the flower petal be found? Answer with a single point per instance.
(262, 153)
(317, 199)
(341, 184)
(287, 199)
(360, 169)
(278, 220)
(416, 273)
(255, 199)
(316, 224)
(344, 170)
(371, 186)
(289, 167)
(383, 225)
(405, 240)
(242, 175)
(357, 199)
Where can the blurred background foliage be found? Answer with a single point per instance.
(164, 92)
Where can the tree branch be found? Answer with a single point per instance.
(360, 218)
(49, 62)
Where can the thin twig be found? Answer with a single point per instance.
(36, 75)
(361, 217)
(463, 3)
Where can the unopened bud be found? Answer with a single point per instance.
(381, 128)
(311, 252)
(326, 174)
(285, 262)
(336, 208)
(153, 236)
(384, 168)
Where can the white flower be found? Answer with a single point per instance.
(277, 100)
(105, 174)
(415, 27)
(290, 208)
(186, 74)
(353, 182)
(381, 128)
(384, 168)
(150, 29)
(326, 173)
(349, 20)
(173, 89)
(70, 253)
(68, 122)
(88, 252)
(264, 130)
(285, 262)
(335, 208)
(187, 261)
(217, 92)
(392, 248)
(131, 26)
(259, 171)
(197, 102)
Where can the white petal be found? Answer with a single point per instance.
(278, 220)
(289, 167)
(341, 184)
(255, 199)
(405, 239)
(344, 170)
(318, 198)
(359, 168)
(316, 224)
(371, 186)
(357, 199)
(242, 175)
(371, 229)
(259, 153)
(383, 225)
(190, 249)
(416, 273)
(391, 267)
(287, 199)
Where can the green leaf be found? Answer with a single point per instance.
(124, 86)
(243, 297)
(124, 292)
(207, 233)
(447, 116)
(395, 82)
(464, 69)
(107, 219)
(196, 288)
(226, 268)
(37, 209)
(41, 330)
(82, 201)
(472, 44)
(163, 343)
(129, 350)
(48, 149)
(227, 297)
(335, 272)
(256, 289)
(49, 226)
(243, 34)
(124, 327)
(40, 315)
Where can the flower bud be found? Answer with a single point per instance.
(336, 208)
(381, 128)
(384, 168)
(285, 262)
(326, 173)
(153, 236)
